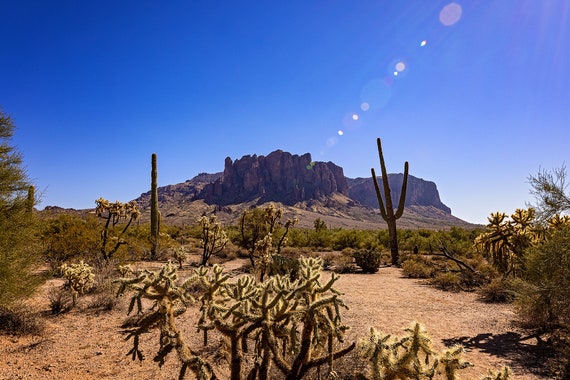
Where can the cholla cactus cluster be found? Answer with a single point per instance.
(292, 325)
(412, 357)
(214, 238)
(80, 278)
(113, 213)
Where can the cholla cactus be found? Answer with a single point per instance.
(113, 213)
(80, 278)
(408, 357)
(294, 325)
(169, 300)
(214, 238)
(180, 255)
(504, 374)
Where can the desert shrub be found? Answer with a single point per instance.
(545, 301)
(68, 237)
(344, 264)
(18, 222)
(498, 290)
(346, 239)
(20, 320)
(450, 281)
(414, 268)
(59, 300)
(284, 266)
(368, 260)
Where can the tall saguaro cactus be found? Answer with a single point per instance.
(154, 213)
(388, 212)
(31, 200)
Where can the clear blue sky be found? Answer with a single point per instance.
(474, 94)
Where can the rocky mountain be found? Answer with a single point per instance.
(305, 188)
(279, 177)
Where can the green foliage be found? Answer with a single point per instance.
(546, 299)
(449, 281)
(18, 244)
(387, 211)
(549, 189)
(67, 237)
(409, 357)
(368, 260)
(418, 267)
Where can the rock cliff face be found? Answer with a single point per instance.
(279, 176)
(419, 192)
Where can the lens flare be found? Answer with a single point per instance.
(376, 93)
(423, 43)
(450, 14)
(400, 66)
(340, 132)
(354, 117)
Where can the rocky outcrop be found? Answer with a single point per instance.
(419, 192)
(279, 176)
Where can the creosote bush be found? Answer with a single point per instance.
(368, 260)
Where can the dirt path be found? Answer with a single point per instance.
(85, 344)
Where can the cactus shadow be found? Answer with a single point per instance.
(519, 350)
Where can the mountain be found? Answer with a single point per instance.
(304, 188)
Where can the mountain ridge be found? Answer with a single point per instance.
(306, 189)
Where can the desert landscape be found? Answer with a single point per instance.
(86, 343)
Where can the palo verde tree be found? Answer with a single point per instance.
(387, 211)
(113, 233)
(549, 189)
(214, 238)
(18, 251)
(154, 213)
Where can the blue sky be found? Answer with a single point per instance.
(475, 95)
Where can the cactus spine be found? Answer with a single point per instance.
(388, 212)
(154, 213)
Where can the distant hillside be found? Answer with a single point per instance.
(305, 188)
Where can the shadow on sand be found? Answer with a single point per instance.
(520, 351)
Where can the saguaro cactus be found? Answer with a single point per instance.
(31, 200)
(388, 212)
(154, 213)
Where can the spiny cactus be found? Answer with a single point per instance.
(214, 238)
(80, 278)
(113, 213)
(387, 212)
(154, 213)
(294, 325)
(169, 300)
(409, 357)
(31, 200)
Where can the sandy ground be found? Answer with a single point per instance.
(87, 344)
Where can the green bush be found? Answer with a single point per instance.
(413, 268)
(449, 281)
(545, 302)
(368, 260)
(499, 290)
